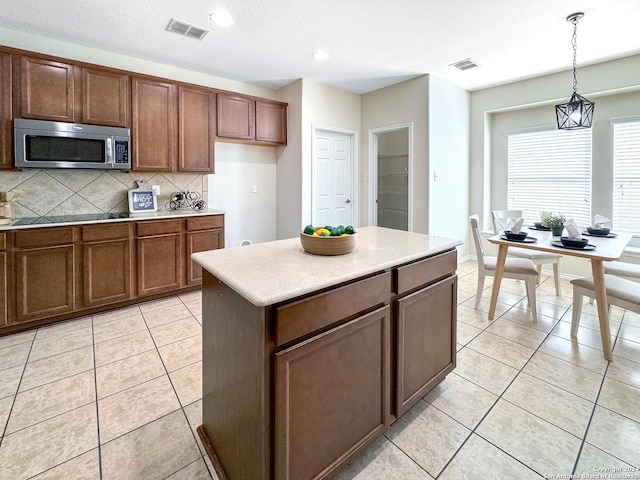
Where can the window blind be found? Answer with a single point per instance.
(550, 170)
(626, 177)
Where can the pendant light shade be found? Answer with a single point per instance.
(577, 111)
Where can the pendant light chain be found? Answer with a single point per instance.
(574, 43)
(577, 111)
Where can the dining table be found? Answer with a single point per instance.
(600, 249)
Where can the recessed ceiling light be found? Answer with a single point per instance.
(320, 55)
(221, 18)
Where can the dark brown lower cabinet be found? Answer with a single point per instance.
(294, 390)
(45, 282)
(107, 263)
(332, 396)
(4, 310)
(54, 273)
(426, 341)
(203, 233)
(159, 264)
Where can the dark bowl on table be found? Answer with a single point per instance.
(515, 236)
(574, 242)
(598, 231)
(538, 225)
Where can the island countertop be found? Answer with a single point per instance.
(272, 272)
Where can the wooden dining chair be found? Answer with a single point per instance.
(514, 268)
(500, 218)
(630, 271)
(621, 292)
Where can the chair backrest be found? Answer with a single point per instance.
(500, 218)
(473, 222)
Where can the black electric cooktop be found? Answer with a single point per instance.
(70, 218)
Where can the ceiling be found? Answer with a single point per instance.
(372, 43)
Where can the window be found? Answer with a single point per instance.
(550, 170)
(626, 176)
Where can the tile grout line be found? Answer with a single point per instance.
(501, 397)
(95, 383)
(181, 408)
(15, 396)
(473, 430)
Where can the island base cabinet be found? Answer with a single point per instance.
(332, 396)
(426, 341)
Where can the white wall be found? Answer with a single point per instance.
(448, 159)
(616, 76)
(289, 166)
(310, 104)
(406, 102)
(614, 86)
(248, 216)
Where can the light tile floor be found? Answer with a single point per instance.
(118, 396)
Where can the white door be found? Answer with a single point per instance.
(332, 201)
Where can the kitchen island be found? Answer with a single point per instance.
(307, 359)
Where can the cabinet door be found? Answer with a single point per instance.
(105, 98)
(236, 117)
(197, 127)
(6, 131)
(271, 122)
(47, 90)
(426, 331)
(107, 272)
(4, 308)
(200, 242)
(154, 125)
(159, 264)
(45, 283)
(332, 396)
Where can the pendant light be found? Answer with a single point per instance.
(577, 111)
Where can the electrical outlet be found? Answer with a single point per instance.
(155, 189)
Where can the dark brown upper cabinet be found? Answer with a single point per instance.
(236, 117)
(197, 129)
(63, 92)
(6, 131)
(154, 132)
(271, 122)
(252, 120)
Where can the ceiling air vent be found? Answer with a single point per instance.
(465, 64)
(176, 26)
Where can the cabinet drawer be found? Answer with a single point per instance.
(314, 313)
(158, 227)
(93, 233)
(3, 241)
(205, 223)
(43, 237)
(425, 271)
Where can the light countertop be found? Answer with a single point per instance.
(271, 272)
(161, 214)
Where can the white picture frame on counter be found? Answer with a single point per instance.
(142, 201)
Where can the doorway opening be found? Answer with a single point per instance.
(390, 167)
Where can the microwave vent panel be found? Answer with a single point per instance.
(182, 28)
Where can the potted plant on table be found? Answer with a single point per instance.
(554, 221)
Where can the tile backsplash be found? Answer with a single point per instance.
(54, 192)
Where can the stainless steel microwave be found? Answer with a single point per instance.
(45, 144)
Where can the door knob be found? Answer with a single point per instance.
(347, 201)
